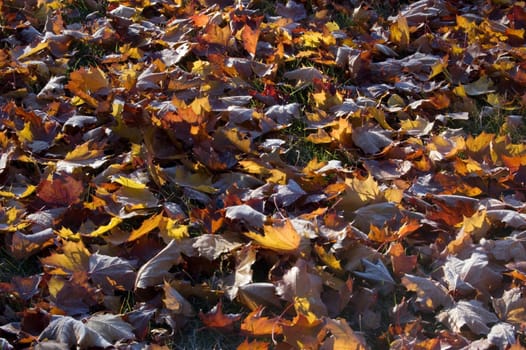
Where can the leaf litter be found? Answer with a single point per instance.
(147, 167)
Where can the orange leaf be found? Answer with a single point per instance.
(280, 237)
(215, 318)
(250, 39)
(146, 226)
(256, 325)
(253, 345)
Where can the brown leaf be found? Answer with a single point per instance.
(430, 294)
(60, 190)
(155, 270)
(176, 302)
(250, 39)
(111, 273)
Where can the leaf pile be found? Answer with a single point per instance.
(307, 164)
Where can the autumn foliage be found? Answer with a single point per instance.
(297, 174)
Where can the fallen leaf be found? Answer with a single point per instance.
(470, 313)
(215, 318)
(279, 236)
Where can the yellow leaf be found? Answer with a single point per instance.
(26, 135)
(147, 226)
(312, 39)
(34, 50)
(83, 152)
(439, 67)
(201, 67)
(126, 182)
(277, 176)
(280, 236)
(379, 115)
(201, 105)
(460, 91)
(464, 23)
(360, 192)
(67, 234)
(238, 139)
(479, 143)
(253, 167)
(83, 82)
(321, 136)
(302, 306)
(105, 228)
(128, 78)
(477, 224)
(328, 258)
(55, 285)
(74, 257)
(117, 108)
(400, 32)
(394, 195)
(170, 229)
(332, 26)
(131, 52)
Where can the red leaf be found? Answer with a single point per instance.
(61, 191)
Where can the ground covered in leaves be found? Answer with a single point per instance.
(262, 175)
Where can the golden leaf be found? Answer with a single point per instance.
(281, 237)
(146, 227)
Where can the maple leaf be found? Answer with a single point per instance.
(470, 313)
(111, 327)
(303, 288)
(430, 294)
(280, 236)
(60, 190)
(464, 276)
(341, 336)
(255, 324)
(215, 318)
(511, 307)
(67, 330)
(111, 273)
(502, 334)
(302, 332)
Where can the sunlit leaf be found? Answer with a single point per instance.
(279, 236)
(470, 313)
